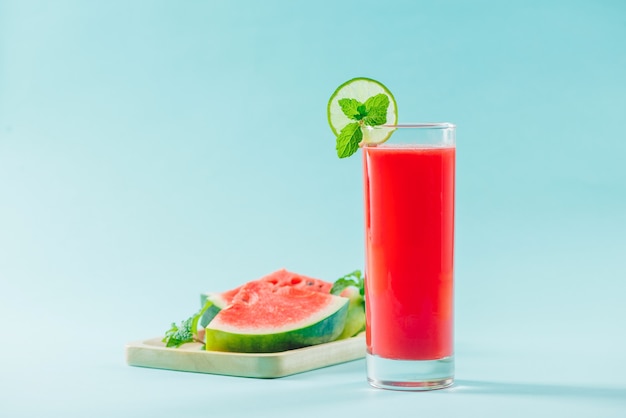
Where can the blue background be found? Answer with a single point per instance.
(152, 150)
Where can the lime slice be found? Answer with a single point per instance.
(361, 89)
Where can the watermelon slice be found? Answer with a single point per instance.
(279, 278)
(270, 316)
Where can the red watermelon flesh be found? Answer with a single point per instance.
(278, 279)
(260, 304)
(282, 278)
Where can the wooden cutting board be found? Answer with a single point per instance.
(192, 358)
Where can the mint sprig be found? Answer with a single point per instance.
(186, 331)
(371, 113)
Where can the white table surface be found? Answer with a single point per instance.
(493, 380)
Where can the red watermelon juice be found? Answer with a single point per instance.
(409, 225)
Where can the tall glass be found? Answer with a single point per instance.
(409, 238)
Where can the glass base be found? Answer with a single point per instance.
(410, 374)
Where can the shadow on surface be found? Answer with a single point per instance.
(476, 387)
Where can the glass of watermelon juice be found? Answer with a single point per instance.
(409, 238)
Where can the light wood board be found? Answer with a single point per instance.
(192, 358)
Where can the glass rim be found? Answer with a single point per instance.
(421, 125)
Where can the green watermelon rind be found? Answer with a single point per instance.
(323, 330)
(217, 304)
(355, 320)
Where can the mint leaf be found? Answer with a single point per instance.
(350, 108)
(362, 112)
(379, 101)
(352, 279)
(376, 110)
(348, 140)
